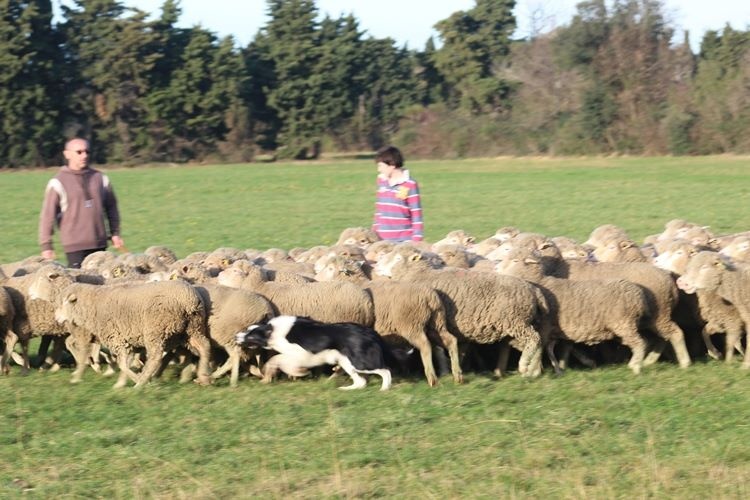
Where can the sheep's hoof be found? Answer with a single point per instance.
(459, 379)
(745, 366)
(203, 380)
(75, 380)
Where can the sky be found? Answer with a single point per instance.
(411, 21)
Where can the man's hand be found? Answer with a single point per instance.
(117, 242)
(48, 254)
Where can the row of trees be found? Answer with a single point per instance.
(144, 90)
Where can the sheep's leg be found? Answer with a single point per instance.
(202, 345)
(422, 343)
(713, 352)
(154, 355)
(41, 353)
(582, 357)
(637, 345)
(565, 349)
(80, 351)
(501, 368)
(529, 365)
(451, 344)
(10, 341)
(732, 340)
(358, 381)
(52, 362)
(124, 359)
(655, 353)
(232, 363)
(553, 358)
(746, 361)
(668, 329)
(25, 364)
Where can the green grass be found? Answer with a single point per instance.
(601, 433)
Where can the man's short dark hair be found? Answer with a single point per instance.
(390, 155)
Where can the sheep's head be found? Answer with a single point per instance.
(48, 281)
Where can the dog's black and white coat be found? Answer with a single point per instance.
(303, 343)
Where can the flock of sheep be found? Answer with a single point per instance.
(525, 294)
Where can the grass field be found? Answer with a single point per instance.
(601, 433)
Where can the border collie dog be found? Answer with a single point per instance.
(303, 343)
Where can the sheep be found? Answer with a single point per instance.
(737, 249)
(378, 249)
(587, 312)
(604, 233)
(220, 259)
(97, 261)
(453, 255)
(333, 302)
(457, 237)
(485, 246)
(230, 310)
(359, 236)
(164, 254)
(709, 271)
(715, 313)
(410, 311)
(7, 318)
(158, 316)
(506, 233)
(619, 250)
(660, 288)
(22, 267)
(571, 249)
(481, 307)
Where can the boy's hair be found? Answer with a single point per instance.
(390, 155)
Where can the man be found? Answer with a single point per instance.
(77, 200)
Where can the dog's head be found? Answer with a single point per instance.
(265, 335)
(255, 336)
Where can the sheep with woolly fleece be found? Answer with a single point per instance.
(483, 308)
(163, 254)
(97, 261)
(457, 237)
(617, 249)
(571, 249)
(330, 302)
(378, 249)
(157, 316)
(453, 255)
(601, 234)
(737, 249)
(587, 312)
(7, 318)
(716, 314)
(35, 317)
(658, 284)
(221, 258)
(280, 273)
(711, 272)
(359, 236)
(405, 311)
(229, 311)
(22, 267)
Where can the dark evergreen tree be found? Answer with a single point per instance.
(112, 58)
(475, 45)
(292, 39)
(29, 85)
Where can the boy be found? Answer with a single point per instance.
(398, 208)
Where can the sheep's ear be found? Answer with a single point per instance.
(225, 262)
(471, 239)
(530, 260)
(415, 257)
(116, 272)
(626, 244)
(546, 244)
(54, 275)
(71, 298)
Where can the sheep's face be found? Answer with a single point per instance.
(522, 263)
(704, 272)
(738, 250)
(66, 311)
(48, 281)
(675, 259)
